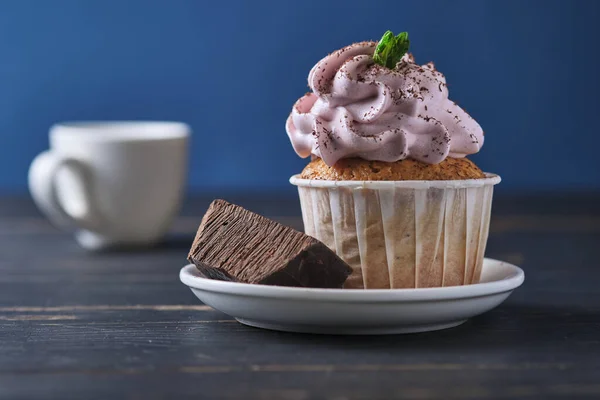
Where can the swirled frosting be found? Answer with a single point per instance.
(360, 109)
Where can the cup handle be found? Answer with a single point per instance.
(43, 184)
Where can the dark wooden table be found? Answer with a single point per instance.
(121, 325)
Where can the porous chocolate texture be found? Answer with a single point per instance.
(237, 245)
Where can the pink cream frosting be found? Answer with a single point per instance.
(360, 109)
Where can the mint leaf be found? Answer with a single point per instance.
(390, 49)
(383, 48)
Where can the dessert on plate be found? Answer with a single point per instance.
(237, 245)
(388, 187)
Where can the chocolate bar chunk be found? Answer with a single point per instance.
(237, 245)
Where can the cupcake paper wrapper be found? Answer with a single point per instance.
(402, 234)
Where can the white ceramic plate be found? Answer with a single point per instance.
(356, 311)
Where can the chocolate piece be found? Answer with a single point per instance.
(237, 245)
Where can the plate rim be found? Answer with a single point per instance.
(189, 276)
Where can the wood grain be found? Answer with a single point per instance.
(121, 325)
(153, 307)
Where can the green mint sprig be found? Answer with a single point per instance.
(390, 49)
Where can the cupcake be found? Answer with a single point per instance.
(388, 187)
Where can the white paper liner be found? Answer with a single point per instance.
(402, 234)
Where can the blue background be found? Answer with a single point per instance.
(528, 71)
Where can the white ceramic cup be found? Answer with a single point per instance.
(114, 183)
